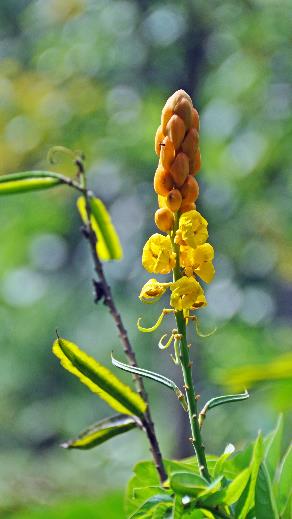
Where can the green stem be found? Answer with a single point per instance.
(186, 365)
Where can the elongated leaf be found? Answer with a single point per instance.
(153, 376)
(108, 243)
(248, 502)
(225, 399)
(284, 485)
(236, 487)
(218, 469)
(265, 506)
(101, 431)
(162, 501)
(273, 449)
(28, 181)
(185, 483)
(279, 368)
(98, 379)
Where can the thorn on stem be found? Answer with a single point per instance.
(98, 291)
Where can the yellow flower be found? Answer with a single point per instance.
(187, 293)
(198, 261)
(152, 291)
(192, 229)
(158, 256)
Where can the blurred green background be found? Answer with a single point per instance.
(94, 75)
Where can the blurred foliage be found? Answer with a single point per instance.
(94, 76)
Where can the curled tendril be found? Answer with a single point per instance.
(74, 155)
(156, 325)
(168, 343)
(198, 331)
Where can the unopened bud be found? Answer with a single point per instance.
(163, 181)
(190, 189)
(164, 219)
(176, 130)
(167, 153)
(195, 165)
(161, 201)
(190, 143)
(196, 119)
(187, 206)
(180, 169)
(174, 200)
(158, 140)
(184, 109)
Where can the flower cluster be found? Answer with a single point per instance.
(184, 250)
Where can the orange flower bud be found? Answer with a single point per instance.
(163, 181)
(180, 169)
(167, 113)
(161, 201)
(190, 143)
(167, 153)
(174, 200)
(176, 130)
(196, 119)
(190, 189)
(184, 109)
(164, 219)
(187, 206)
(158, 140)
(195, 165)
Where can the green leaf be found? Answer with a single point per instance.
(218, 469)
(236, 487)
(108, 244)
(102, 431)
(284, 484)
(153, 376)
(145, 482)
(273, 449)
(185, 483)
(248, 502)
(265, 506)
(151, 504)
(28, 181)
(224, 399)
(98, 379)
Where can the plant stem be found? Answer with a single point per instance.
(186, 365)
(127, 347)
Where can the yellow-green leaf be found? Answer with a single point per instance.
(108, 243)
(10, 186)
(102, 431)
(98, 379)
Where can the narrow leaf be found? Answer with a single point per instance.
(256, 460)
(28, 181)
(225, 399)
(265, 506)
(161, 379)
(218, 469)
(101, 431)
(185, 483)
(284, 485)
(236, 487)
(273, 449)
(108, 243)
(152, 504)
(98, 379)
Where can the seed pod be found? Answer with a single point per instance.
(190, 190)
(174, 200)
(167, 153)
(158, 140)
(184, 109)
(180, 169)
(195, 165)
(176, 130)
(196, 119)
(164, 219)
(163, 181)
(190, 143)
(187, 206)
